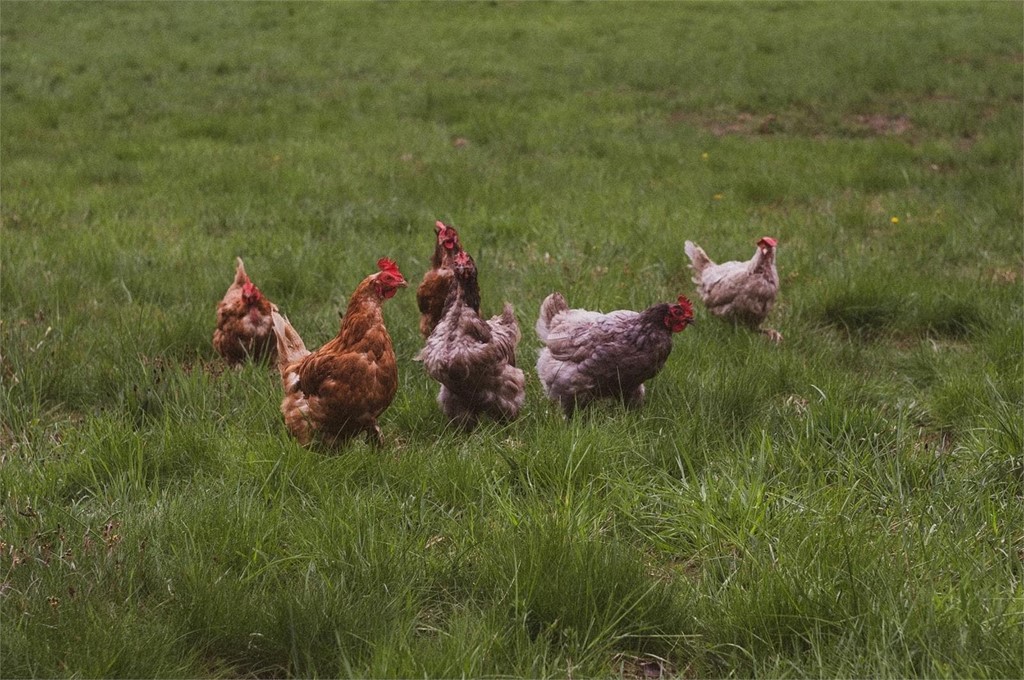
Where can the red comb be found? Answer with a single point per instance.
(440, 226)
(686, 305)
(769, 240)
(386, 264)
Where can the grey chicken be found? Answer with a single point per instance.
(589, 355)
(473, 359)
(741, 292)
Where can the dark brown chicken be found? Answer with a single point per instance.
(340, 390)
(244, 327)
(438, 281)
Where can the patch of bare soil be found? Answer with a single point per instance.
(1004, 276)
(646, 667)
(979, 61)
(158, 365)
(796, 122)
(748, 124)
(881, 125)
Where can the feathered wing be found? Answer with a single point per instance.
(707, 274)
(720, 284)
(586, 349)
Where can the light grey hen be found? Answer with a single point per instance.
(742, 292)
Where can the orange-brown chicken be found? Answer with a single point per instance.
(439, 280)
(340, 390)
(244, 327)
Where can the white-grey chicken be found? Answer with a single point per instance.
(473, 359)
(589, 355)
(742, 292)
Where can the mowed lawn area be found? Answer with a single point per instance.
(849, 502)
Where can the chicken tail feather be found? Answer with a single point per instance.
(508, 314)
(552, 305)
(240, 276)
(290, 347)
(698, 258)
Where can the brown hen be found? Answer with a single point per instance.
(439, 280)
(340, 390)
(244, 327)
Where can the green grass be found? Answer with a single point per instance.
(849, 503)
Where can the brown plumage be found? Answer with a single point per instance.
(341, 389)
(741, 292)
(244, 327)
(438, 281)
(474, 359)
(590, 355)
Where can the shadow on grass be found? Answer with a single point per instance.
(878, 309)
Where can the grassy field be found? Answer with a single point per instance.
(849, 503)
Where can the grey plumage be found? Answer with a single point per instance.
(474, 359)
(742, 292)
(589, 355)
